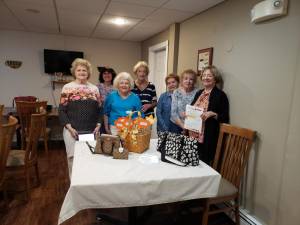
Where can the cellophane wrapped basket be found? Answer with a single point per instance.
(135, 133)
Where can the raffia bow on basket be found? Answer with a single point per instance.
(135, 133)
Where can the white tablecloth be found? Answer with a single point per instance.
(99, 181)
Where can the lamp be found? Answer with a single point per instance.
(13, 64)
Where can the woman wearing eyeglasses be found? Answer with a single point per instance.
(215, 104)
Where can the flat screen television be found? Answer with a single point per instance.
(59, 60)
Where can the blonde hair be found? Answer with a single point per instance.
(123, 76)
(141, 64)
(215, 72)
(189, 71)
(81, 62)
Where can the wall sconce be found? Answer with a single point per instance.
(14, 64)
(268, 9)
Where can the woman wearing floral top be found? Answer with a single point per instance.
(79, 108)
(106, 79)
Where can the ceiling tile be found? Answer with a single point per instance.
(154, 3)
(169, 15)
(107, 31)
(8, 20)
(191, 5)
(145, 30)
(92, 6)
(71, 18)
(44, 21)
(129, 10)
(82, 31)
(30, 2)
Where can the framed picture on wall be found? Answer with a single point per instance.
(205, 57)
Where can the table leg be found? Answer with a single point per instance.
(115, 221)
(133, 218)
(19, 138)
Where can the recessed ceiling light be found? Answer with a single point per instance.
(119, 21)
(33, 10)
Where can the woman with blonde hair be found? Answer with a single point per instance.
(144, 89)
(79, 107)
(182, 97)
(120, 102)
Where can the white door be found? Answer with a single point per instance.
(158, 60)
(159, 71)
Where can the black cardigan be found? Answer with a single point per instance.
(218, 103)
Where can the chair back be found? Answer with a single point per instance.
(24, 98)
(25, 110)
(1, 113)
(6, 135)
(36, 125)
(232, 153)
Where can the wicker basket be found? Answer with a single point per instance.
(142, 142)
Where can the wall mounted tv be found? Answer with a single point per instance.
(59, 61)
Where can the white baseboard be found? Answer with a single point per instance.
(247, 219)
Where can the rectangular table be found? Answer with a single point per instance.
(99, 181)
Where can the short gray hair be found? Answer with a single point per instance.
(123, 76)
(215, 72)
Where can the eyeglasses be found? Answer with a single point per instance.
(207, 75)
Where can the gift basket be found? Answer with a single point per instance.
(135, 133)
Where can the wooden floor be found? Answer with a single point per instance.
(44, 205)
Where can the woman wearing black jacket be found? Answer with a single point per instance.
(215, 104)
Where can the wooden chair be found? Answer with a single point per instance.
(1, 113)
(233, 148)
(24, 111)
(1, 109)
(24, 160)
(6, 135)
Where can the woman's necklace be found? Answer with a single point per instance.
(142, 85)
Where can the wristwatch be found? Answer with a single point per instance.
(98, 124)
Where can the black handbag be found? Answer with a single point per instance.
(178, 149)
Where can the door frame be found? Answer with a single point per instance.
(151, 57)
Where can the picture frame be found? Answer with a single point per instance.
(205, 57)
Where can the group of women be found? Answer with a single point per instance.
(86, 108)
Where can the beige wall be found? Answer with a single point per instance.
(290, 183)
(171, 35)
(30, 78)
(260, 65)
(161, 37)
